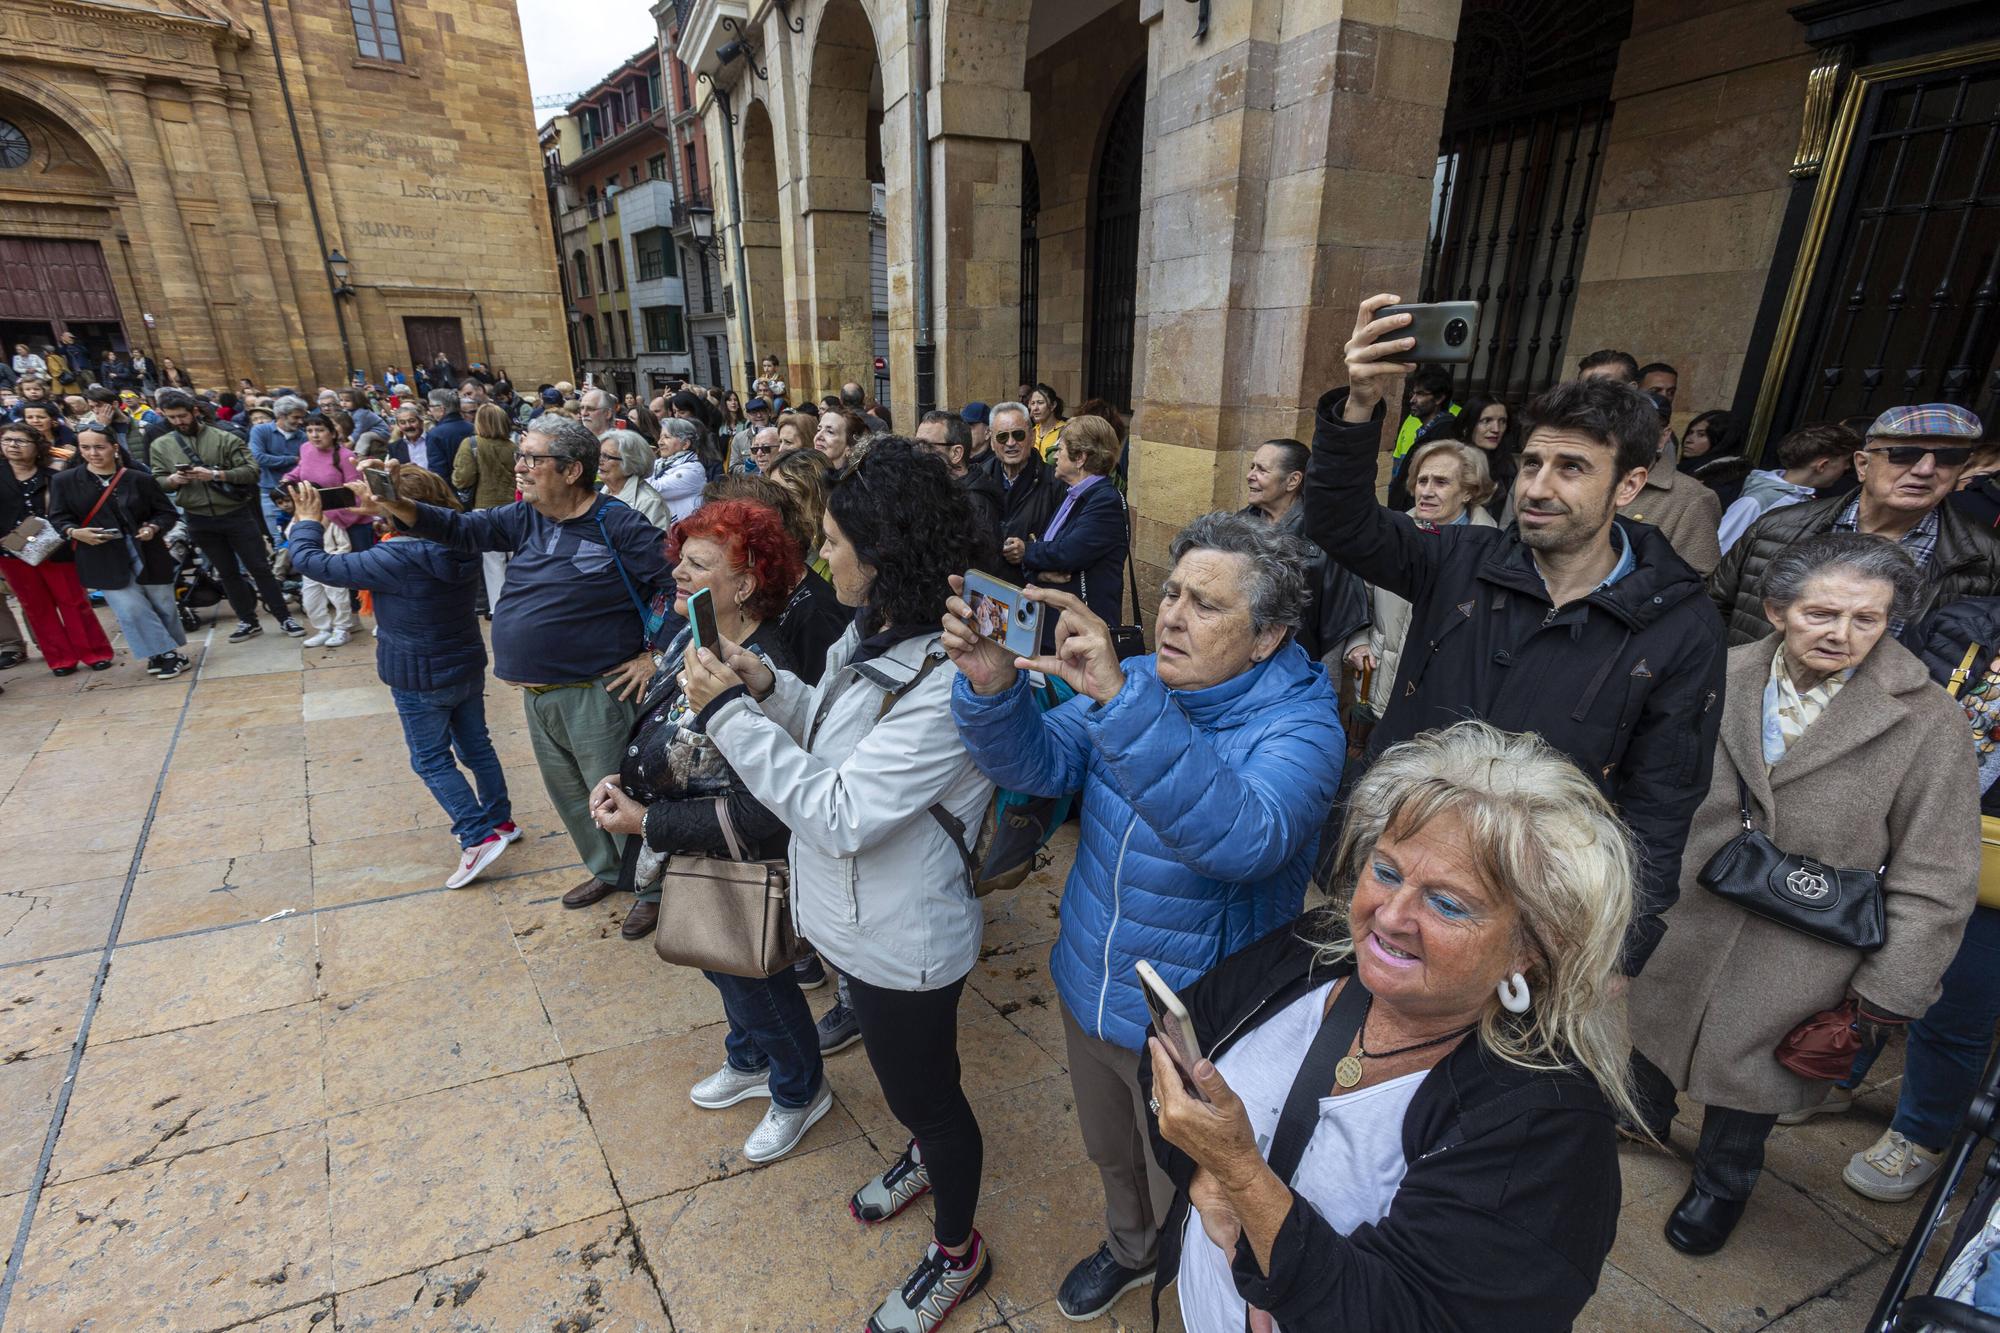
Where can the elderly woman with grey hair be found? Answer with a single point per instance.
(1838, 748)
(680, 471)
(624, 460)
(1205, 768)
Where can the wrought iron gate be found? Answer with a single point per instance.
(1031, 264)
(1114, 252)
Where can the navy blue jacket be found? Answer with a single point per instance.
(1089, 549)
(443, 440)
(424, 604)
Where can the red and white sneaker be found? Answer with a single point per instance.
(510, 831)
(477, 858)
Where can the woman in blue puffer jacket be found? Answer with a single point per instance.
(1206, 770)
(429, 653)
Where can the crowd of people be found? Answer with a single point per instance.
(1433, 844)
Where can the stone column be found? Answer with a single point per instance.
(186, 328)
(264, 207)
(841, 336)
(976, 144)
(258, 308)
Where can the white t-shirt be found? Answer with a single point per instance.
(1352, 1165)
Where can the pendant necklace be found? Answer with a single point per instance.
(1348, 1072)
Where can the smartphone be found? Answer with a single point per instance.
(380, 484)
(1001, 612)
(1171, 1024)
(1446, 331)
(336, 497)
(701, 614)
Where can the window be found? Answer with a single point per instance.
(603, 273)
(656, 167)
(582, 267)
(656, 256)
(664, 330)
(617, 269)
(589, 326)
(632, 177)
(693, 177)
(707, 291)
(375, 33)
(653, 89)
(610, 336)
(681, 77)
(631, 104)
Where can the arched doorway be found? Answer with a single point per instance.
(56, 271)
(1114, 250)
(842, 187)
(760, 235)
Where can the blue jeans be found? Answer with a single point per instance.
(1948, 1045)
(435, 722)
(770, 1027)
(146, 613)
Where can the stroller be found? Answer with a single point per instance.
(196, 586)
(1974, 1244)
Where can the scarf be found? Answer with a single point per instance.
(1788, 710)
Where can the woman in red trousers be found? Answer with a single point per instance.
(57, 607)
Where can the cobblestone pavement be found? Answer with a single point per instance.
(258, 1070)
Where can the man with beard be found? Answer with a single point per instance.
(1572, 623)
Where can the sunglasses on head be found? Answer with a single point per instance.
(1005, 435)
(1909, 455)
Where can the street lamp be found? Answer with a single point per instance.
(701, 219)
(337, 265)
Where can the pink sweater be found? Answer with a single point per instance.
(320, 468)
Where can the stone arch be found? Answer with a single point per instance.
(761, 234)
(66, 125)
(841, 131)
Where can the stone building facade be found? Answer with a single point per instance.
(167, 181)
(1175, 205)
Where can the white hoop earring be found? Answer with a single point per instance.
(1514, 997)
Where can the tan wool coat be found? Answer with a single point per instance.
(1687, 511)
(1885, 774)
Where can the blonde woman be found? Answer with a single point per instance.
(1460, 1167)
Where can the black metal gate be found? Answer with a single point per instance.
(1904, 305)
(1114, 252)
(1031, 264)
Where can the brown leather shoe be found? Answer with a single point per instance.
(639, 922)
(588, 892)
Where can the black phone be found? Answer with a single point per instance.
(1446, 331)
(336, 497)
(380, 484)
(701, 614)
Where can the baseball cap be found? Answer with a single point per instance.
(973, 414)
(1927, 421)
(756, 405)
(553, 397)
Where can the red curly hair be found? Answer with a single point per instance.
(755, 539)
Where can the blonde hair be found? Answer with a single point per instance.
(1472, 467)
(491, 422)
(1538, 831)
(1093, 442)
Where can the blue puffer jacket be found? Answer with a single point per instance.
(1201, 816)
(424, 604)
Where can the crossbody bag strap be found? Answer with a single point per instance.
(1301, 1114)
(1132, 570)
(1743, 802)
(1964, 671)
(946, 820)
(597, 512)
(116, 477)
(729, 829)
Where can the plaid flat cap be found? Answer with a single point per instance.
(1926, 421)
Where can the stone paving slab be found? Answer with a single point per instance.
(390, 1106)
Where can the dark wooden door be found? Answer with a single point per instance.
(428, 335)
(63, 283)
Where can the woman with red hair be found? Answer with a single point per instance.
(674, 791)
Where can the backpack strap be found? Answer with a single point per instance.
(954, 829)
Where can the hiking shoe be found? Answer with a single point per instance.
(895, 1189)
(730, 1085)
(292, 627)
(809, 972)
(245, 629)
(936, 1288)
(839, 1028)
(1893, 1170)
(475, 859)
(783, 1126)
(1096, 1283)
(1838, 1101)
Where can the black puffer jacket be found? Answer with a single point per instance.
(1627, 682)
(1941, 642)
(1966, 563)
(1502, 1222)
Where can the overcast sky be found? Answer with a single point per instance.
(573, 43)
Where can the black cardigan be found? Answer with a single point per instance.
(1504, 1218)
(139, 500)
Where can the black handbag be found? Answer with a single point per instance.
(1839, 906)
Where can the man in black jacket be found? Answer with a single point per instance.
(1030, 491)
(1572, 623)
(1908, 467)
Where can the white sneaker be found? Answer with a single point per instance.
(475, 859)
(335, 639)
(1892, 1170)
(783, 1126)
(1838, 1102)
(316, 638)
(728, 1086)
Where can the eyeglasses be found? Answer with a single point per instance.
(761, 449)
(523, 456)
(1002, 436)
(1909, 455)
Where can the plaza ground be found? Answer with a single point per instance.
(316, 1091)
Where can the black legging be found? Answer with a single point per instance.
(912, 1042)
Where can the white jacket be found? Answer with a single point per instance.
(679, 481)
(877, 885)
(649, 502)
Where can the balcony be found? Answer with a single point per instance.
(702, 33)
(694, 199)
(575, 219)
(648, 204)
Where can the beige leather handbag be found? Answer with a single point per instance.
(732, 915)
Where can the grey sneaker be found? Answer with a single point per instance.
(1838, 1102)
(728, 1086)
(890, 1193)
(934, 1290)
(1893, 1170)
(838, 1028)
(783, 1126)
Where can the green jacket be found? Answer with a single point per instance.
(214, 448)
(485, 467)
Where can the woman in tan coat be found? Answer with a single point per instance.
(1854, 758)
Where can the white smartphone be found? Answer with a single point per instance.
(1171, 1024)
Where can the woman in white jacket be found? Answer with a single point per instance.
(1450, 482)
(623, 459)
(680, 475)
(861, 768)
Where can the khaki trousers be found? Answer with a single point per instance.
(1111, 1111)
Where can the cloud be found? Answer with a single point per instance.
(571, 44)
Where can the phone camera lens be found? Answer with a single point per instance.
(1023, 614)
(1456, 332)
